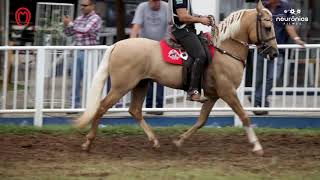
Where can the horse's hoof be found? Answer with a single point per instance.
(85, 147)
(156, 144)
(178, 143)
(259, 152)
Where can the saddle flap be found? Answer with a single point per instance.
(177, 55)
(171, 55)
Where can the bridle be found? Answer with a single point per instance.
(261, 43)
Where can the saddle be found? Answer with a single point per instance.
(174, 53)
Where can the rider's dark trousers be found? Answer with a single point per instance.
(189, 40)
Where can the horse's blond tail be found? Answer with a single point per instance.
(95, 91)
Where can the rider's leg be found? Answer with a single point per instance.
(193, 46)
(196, 74)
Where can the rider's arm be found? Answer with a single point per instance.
(185, 17)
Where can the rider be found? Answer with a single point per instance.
(183, 29)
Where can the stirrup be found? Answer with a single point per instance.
(196, 96)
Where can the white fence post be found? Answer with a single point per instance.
(38, 115)
(5, 80)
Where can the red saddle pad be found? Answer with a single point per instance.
(174, 56)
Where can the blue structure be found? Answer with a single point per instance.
(163, 121)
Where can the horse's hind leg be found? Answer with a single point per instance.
(138, 95)
(233, 101)
(205, 111)
(111, 99)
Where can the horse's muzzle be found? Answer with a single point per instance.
(268, 52)
(273, 53)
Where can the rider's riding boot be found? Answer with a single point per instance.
(193, 93)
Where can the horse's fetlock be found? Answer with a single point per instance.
(198, 125)
(91, 136)
(152, 138)
(182, 137)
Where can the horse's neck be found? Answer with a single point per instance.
(235, 48)
(236, 23)
(236, 44)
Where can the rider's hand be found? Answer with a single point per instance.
(205, 20)
(66, 20)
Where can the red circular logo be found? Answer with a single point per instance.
(23, 16)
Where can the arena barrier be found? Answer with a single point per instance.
(40, 79)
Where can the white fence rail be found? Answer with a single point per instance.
(42, 80)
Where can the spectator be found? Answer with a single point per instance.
(282, 30)
(150, 21)
(85, 31)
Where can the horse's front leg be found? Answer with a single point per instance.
(233, 101)
(204, 113)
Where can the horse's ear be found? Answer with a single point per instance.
(259, 6)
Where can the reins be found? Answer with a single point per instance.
(261, 42)
(231, 55)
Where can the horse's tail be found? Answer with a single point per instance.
(95, 91)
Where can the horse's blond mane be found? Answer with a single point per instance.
(229, 26)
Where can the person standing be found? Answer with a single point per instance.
(183, 30)
(150, 21)
(85, 31)
(283, 31)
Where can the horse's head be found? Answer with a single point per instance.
(263, 34)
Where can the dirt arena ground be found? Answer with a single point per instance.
(283, 152)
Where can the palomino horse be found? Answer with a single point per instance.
(130, 63)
